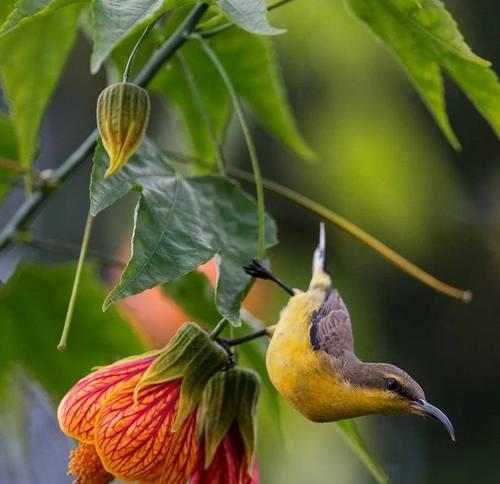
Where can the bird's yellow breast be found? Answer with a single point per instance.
(311, 380)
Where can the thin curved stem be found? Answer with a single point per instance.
(249, 142)
(359, 234)
(135, 50)
(76, 283)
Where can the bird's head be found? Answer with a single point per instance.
(389, 390)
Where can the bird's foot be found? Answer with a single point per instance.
(258, 270)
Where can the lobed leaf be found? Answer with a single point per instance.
(43, 45)
(427, 41)
(181, 223)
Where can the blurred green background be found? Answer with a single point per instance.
(384, 165)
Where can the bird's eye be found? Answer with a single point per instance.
(392, 384)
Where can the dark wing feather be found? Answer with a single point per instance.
(331, 326)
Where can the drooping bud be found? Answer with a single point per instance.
(229, 398)
(122, 118)
(191, 355)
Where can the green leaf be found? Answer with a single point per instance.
(113, 21)
(26, 10)
(351, 435)
(251, 63)
(8, 154)
(31, 61)
(250, 15)
(180, 224)
(32, 309)
(427, 40)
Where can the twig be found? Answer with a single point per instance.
(359, 234)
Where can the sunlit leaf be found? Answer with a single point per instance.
(250, 15)
(180, 224)
(351, 435)
(427, 41)
(26, 10)
(31, 61)
(32, 309)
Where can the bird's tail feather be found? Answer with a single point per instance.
(320, 261)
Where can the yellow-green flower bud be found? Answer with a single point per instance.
(122, 118)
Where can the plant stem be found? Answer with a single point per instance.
(135, 50)
(191, 81)
(218, 328)
(38, 197)
(76, 283)
(249, 142)
(359, 234)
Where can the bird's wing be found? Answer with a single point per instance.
(330, 329)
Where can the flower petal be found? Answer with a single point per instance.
(79, 408)
(135, 440)
(229, 465)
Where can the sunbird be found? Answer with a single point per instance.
(312, 363)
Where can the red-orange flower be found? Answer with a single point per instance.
(136, 419)
(167, 417)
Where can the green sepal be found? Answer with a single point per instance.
(229, 397)
(192, 356)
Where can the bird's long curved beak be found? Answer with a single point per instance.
(428, 410)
